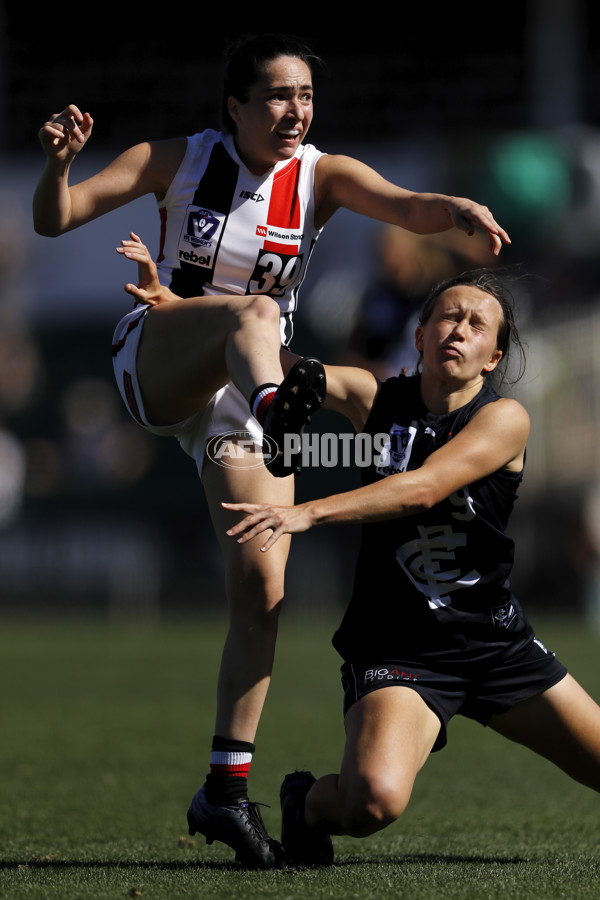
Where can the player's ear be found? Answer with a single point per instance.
(419, 338)
(493, 361)
(233, 108)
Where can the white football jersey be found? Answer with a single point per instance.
(225, 230)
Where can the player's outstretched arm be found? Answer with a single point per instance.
(59, 207)
(351, 391)
(62, 137)
(341, 181)
(494, 439)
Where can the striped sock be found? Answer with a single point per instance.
(229, 767)
(261, 400)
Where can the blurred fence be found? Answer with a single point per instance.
(82, 567)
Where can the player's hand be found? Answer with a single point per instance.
(149, 289)
(65, 133)
(262, 517)
(468, 215)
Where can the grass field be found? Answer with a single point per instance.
(104, 737)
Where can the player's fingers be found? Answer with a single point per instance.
(87, 124)
(141, 295)
(67, 125)
(271, 540)
(236, 529)
(49, 128)
(245, 507)
(246, 523)
(258, 528)
(72, 123)
(503, 235)
(137, 251)
(72, 110)
(495, 244)
(486, 221)
(242, 507)
(132, 253)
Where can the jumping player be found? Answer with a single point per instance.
(240, 209)
(433, 628)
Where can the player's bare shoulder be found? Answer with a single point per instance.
(513, 412)
(330, 168)
(165, 158)
(509, 421)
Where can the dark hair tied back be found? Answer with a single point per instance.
(245, 61)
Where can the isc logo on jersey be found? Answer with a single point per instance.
(201, 231)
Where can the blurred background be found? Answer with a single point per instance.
(96, 515)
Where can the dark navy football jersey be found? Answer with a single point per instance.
(433, 586)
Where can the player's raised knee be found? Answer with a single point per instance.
(264, 308)
(373, 808)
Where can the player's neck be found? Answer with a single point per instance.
(445, 396)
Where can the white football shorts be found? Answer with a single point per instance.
(227, 411)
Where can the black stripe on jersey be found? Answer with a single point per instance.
(215, 191)
(289, 324)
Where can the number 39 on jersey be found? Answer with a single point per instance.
(275, 273)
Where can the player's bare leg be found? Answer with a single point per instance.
(190, 348)
(389, 735)
(254, 588)
(563, 725)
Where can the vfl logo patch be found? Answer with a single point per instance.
(395, 455)
(199, 236)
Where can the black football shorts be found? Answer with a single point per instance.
(473, 690)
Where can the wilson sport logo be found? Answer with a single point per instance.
(280, 234)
